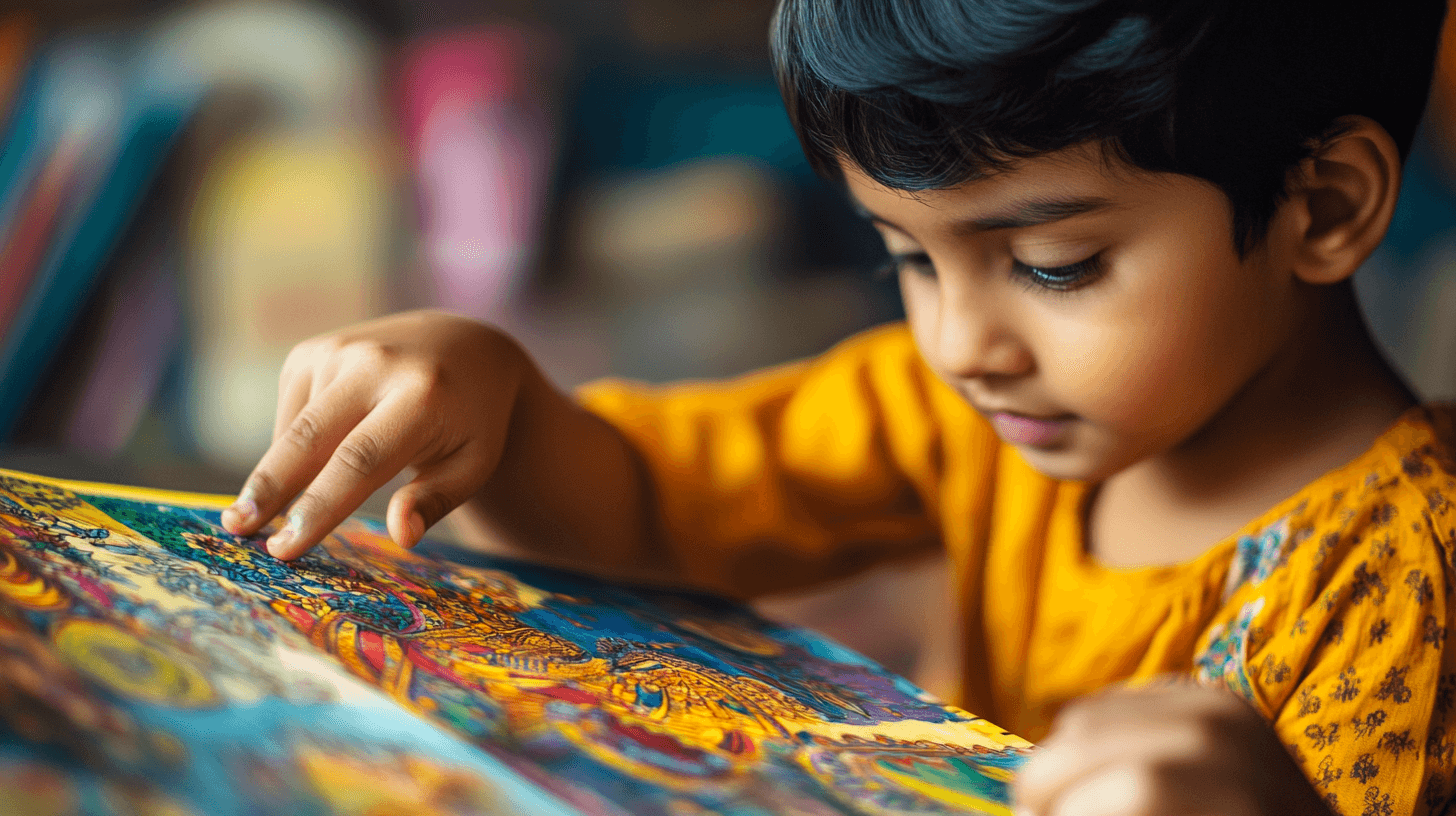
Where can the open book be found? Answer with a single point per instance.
(151, 663)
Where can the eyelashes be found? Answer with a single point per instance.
(1059, 278)
(1066, 278)
(909, 262)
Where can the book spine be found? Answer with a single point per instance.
(67, 279)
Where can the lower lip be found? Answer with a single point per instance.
(1020, 430)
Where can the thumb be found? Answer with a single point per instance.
(429, 497)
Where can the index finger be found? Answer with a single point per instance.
(371, 454)
(296, 456)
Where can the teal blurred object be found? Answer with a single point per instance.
(634, 114)
(112, 100)
(647, 118)
(1408, 286)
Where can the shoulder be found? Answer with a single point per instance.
(1392, 508)
(1358, 567)
(1389, 523)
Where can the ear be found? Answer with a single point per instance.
(1339, 202)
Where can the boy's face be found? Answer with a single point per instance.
(1096, 314)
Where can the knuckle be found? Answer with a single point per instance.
(369, 354)
(290, 367)
(419, 379)
(301, 352)
(305, 431)
(331, 343)
(299, 363)
(360, 453)
(308, 353)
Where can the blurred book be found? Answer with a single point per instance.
(16, 33)
(109, 369)
(38, 214)
(20, 121)
(90, 133)
(138, 338)
(476, 125)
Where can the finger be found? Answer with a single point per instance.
(1121, 790)
(293, 394)
(368, 457)
(297, 456)
(432, 494)
(1148, 789)
(1084, 745)
(1047, 776)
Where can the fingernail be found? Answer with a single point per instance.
(416, 528)
(281, 539)
(242, 513)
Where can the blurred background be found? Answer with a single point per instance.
(187, 189)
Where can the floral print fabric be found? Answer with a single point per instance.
(1340, 636)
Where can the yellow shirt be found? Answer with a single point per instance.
(1329, 613)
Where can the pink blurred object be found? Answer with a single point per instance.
(140, 329)
(480, 141)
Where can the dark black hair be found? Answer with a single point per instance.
(928, 94)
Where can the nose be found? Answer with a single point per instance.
(975, 336)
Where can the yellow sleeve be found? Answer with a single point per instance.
(794, 475)
(1359, 681)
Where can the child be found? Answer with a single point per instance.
(1135, 400)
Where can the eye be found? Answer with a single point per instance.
(1059, 278)
(917, 262)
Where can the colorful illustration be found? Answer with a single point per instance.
(152, 663)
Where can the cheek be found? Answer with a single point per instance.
(1129, 373)
(1164, 352)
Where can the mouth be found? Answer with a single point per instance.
(1031, 431)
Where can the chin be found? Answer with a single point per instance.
(1067, 464)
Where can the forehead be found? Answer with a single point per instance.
(1029, 191)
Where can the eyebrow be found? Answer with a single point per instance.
(1030, 213)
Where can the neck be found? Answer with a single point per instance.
(1320, 403)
